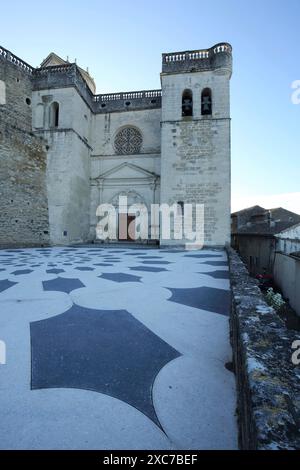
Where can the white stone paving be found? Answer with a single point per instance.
(193, 395)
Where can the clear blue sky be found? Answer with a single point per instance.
(122, 41)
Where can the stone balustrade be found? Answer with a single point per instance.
(53, 69)
(195, 60)
(222, 47)
(130, 95)
(196, 55)
(7, 55)
(126, 101)
(179, 57)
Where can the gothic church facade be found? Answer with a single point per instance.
(65, 149)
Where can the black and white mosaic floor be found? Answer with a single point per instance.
(115, 348)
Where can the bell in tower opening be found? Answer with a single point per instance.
(187, 103)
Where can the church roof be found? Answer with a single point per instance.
(53, 59)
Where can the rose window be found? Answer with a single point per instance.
(128, 141)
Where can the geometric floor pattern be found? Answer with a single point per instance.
(60, 284)
(90, 349)
(115, 348)
(205, 298)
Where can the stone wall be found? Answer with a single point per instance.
(23, 195)
(16, 110)
(195, 151)
(257, 251)
(287, 278)
(68, 184)
(268, 384)
(288, 241)
(68, 163)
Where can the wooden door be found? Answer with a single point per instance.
(126, 220)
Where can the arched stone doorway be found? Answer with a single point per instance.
(127, 203)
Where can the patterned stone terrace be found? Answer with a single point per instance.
(115, 348)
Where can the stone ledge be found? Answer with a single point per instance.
(268, 384)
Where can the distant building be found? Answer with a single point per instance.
(286, 268)
(257, 233)
(288, 240)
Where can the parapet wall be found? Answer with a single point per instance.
(216, 57)
(61, 76)
(268, 384)
(128, 101)
(17, 79)
(69, 75)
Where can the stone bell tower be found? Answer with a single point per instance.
(195, 136)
